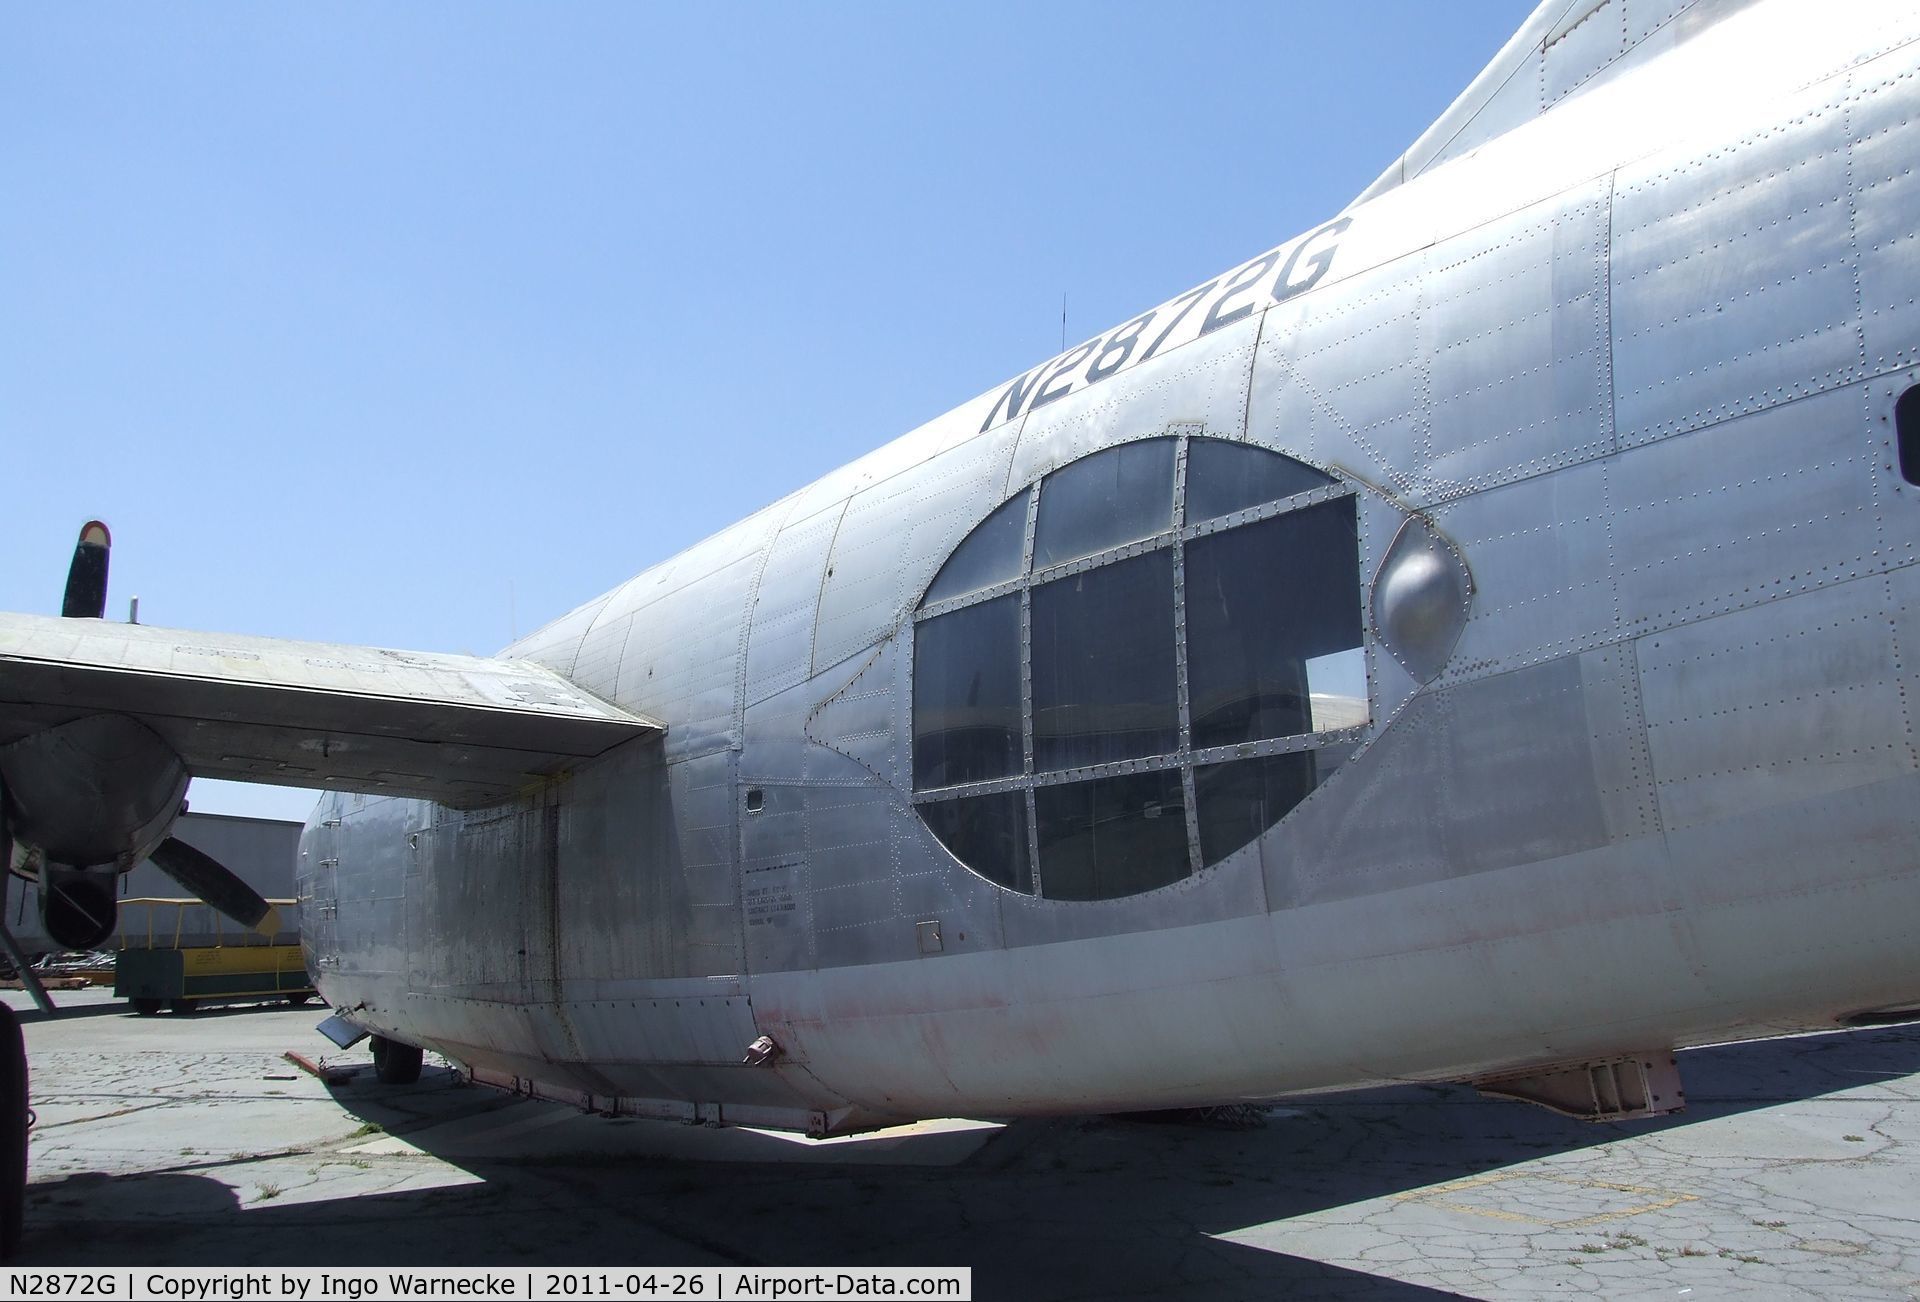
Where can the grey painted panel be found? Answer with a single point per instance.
(1338, 376)
(1201, 385)
(635, 899)
(1617, 728)
(371, 845)
(775, 744)
(683, 654)
(956, 1016)
(1476, 361)
(479, 904)
(868, 720)
(1482, 775)
(1733, 284)
(1641, 18)
(779, 824)
(1886, 191)
(846, 830)
(856, 908)
(1540, 553)
(703, 798)
(1769, 706)
(1607, 37)
(674, 634)
(897, 534)
(1517, 330)
(1595, 926)
(851, 884)
(1750, 509)
(1573, 54)
(1903, 599)
(1819, 856)
(776, 908)
(670, 1025)
(780, 642)
(496, 1030)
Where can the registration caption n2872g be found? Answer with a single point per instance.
(312, 1284)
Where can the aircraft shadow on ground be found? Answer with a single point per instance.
(1088, 1207)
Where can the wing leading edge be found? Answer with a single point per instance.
(461, 730)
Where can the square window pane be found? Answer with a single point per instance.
(1103, 676)
(1338, 686)
(1118, 496)
(1267, 603)
(966, 695)
(1240, 800)
(1111, 837)
(986, 833)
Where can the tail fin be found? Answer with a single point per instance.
(1564, 47)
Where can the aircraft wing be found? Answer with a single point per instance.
(461, 730)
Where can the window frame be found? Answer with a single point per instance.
(1184, 758)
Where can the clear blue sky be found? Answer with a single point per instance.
(416, 325)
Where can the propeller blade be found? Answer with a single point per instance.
(87, 577)
(213, 882)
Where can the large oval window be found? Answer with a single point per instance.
(1137, 666)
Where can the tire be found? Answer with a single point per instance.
(183, 1005)
(395, 1063)
(298, 999)
(13, 1132)
(145, 1007)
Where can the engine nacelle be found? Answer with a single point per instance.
(97, 791)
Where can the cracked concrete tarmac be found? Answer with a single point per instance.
(190, 1141)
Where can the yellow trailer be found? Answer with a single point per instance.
(155, 969)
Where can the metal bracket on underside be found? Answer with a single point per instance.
(28, 977)
(1612, 1089)
(344, 1033)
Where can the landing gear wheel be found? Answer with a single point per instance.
(183, 1005)
(146, 1007)
(395, 1063)
(298, 998)
(13, 1132)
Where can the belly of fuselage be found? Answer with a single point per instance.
(1766, 886)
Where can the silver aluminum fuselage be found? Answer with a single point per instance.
(1635, 359)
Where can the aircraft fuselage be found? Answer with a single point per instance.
(1643, 776)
